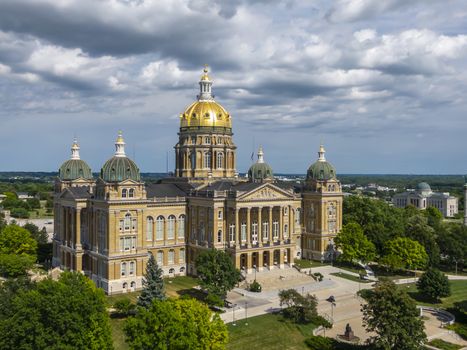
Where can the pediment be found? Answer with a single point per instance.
(67, 194)
(266, 192)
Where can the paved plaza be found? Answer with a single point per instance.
(347, 309)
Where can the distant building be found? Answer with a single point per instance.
(24, 196)
(423, 197)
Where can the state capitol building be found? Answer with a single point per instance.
(107, 226)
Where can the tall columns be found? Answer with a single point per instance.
(260, 227)
(237, 229)
(248, 229)
(281, 223)
(270, 225)
(78, 230)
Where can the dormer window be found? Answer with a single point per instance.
(131, 193)
(124, 193)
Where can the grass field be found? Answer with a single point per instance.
(270, 332)
(116, 325)
(458, 294)
(306, 264)
(350, 277)
(444, 345)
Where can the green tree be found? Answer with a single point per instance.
(434, 217)
(40, 236)
(176, 324)
(216, 272)
(19, 213)
(14, 265)
(354, 244)
(435, 284)
(17, 240)
(404, 252)
(380, 221)
(34, 203)
(124, 307)
(316, 342)
(453, 244)
(393, 316)
(66, 314)
(153, 284)
(419, 230)
(299, 308)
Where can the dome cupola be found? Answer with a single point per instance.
(423, 188)
(120, 167)
(205, 112)
(261, 170)
(74, 168)
(321, 170)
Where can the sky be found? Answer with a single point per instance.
(381, 83)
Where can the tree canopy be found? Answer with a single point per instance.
(153, 284)
(354, 244)
(393, 316)
(217, 272)
(405, 252)
(17, 251)
(299, 308)
(434, 283)
(176, 324)
(66, 314)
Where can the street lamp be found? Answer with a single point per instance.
(332, 300)
(254, 266)
(246, 313)
(233, 315)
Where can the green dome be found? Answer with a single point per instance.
(118, 169)
(74, 169)
(423, 186)
(321, 170)
(260, 171)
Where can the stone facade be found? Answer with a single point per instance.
(106, 227)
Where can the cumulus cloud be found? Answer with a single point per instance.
(343, 69)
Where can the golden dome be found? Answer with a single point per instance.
(205, 113)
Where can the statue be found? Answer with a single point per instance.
(348, 335)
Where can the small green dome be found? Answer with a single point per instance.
(260, 171)
(423, 186)
(73, 169)
(321, 170)
(118, 169)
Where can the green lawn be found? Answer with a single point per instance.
(458, 294)
(444, 345)
(116, 325)
(270, 331)
(350, 277)
(306, 264)
(174, 287)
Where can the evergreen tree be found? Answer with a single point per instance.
(434, 284)
(153, 284)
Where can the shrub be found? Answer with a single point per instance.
(124, 307)
(435, 284)
(255, 287)
(316, 342)
(318, 276)
(214, 300)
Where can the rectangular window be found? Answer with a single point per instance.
(275, 230)
(181, 227)
(159, 229)
(243, 231)
(232, 233)
(121, 225)
(171, 256)
(219, 214)
(132, 268)
(182, 256)
(265, 230)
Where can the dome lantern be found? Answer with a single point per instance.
(74, 168)
(321, 170)
(120, 146)
(260, 171)
(205, 85)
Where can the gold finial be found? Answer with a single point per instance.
(205, 75)
(120, 136)
(206, 70)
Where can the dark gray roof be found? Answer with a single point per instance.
(167, 189)
(81, 192)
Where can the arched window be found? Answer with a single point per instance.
(133, 285)
(125, 286)
(207, 160)
(123, 268)
(160, 257)
(131, 193)
(172, 270)
(149, 228)
(171, 227)
(181, 226)
(220, 160)
(181, 257)
(171, 256)
(160, 227)
(124, 193)
(127, 221)
(298, 213)
(132, 268)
